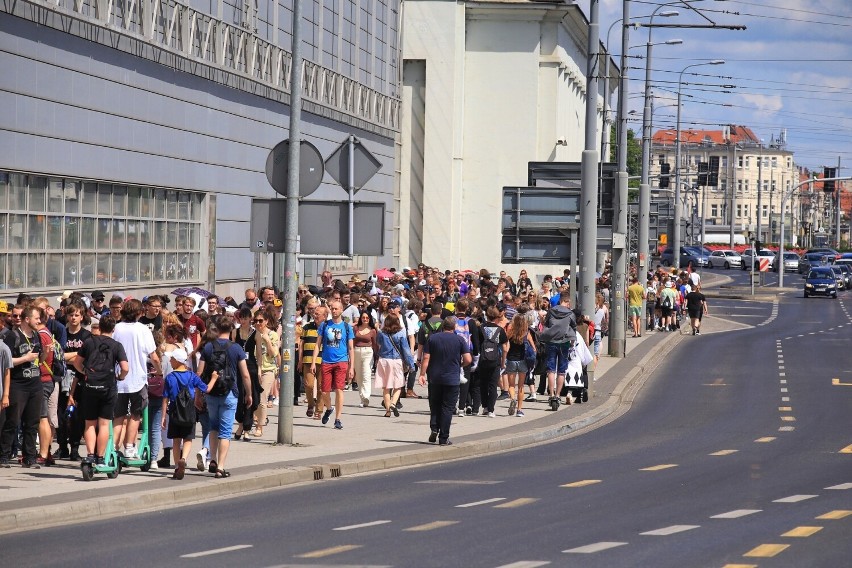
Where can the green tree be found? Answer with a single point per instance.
(634, 159)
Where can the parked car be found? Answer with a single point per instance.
(790, 262)
(811, 260)
(724, 258)
(839, 276)
(749, 260)
(688, 255)
(820, 281)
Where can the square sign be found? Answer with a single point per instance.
(366, 165)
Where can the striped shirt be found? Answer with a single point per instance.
(309, 341)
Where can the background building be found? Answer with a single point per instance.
(135, 133)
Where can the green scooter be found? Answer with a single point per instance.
(111, 466)
(143, 448)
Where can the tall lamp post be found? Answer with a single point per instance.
(677, 204)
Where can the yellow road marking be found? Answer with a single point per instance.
(582, 483)
(516, 503)
(834, 515)
(740, 566)
(802, 531)
(766, 550)
(846, 450)
(785, 409)
(766, 439)
(788, 419)
(724, 452)
(659, 467)
(837, 383)
(431, 526)
(329, 551)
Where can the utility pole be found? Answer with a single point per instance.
(837, 187)
(589, 167)
(759, 195)
(733, 197)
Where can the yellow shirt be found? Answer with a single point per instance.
(635, 294)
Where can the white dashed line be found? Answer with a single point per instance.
(795, 498)
(592, 548)
(485, 502)
(361, 526)
(841, 486)
(525, 564)
(674, 529)
(736, 514)
(216, 551)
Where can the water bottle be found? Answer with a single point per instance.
(69, 412)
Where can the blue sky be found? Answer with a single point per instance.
(791, 69)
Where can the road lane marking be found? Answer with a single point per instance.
(785, 399)
(525, 564)
(786, 428)
(788, 418)
(846, 450)
(801, 532)
(837, 383)
(361, 526)
(766, 550)
(841, 486)
(592, 548)
(782, 374)
(783, 389)
(659, 467)
(795, 498)
(582, 483)
(329, 551)
(516, 503)
(740, 566)
(736, 514)
(458, 482)
(783, 381)
(431, 526)
(785, 409)
(216, 551)
(834, 515)
(484, 502)
(724, 452)
(765, 439)
(674, 529)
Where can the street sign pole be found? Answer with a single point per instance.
(350, 188)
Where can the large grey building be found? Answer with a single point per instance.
(134, 133)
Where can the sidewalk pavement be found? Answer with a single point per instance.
(368, 442)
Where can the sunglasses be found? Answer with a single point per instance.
(258, 321)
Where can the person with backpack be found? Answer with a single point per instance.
(559, 335)
(431, 325)
(493, 348)
(668, 306)
(179, 407)
(520, 354)
(96, 361)
(650, 304)
(52, 367)
(468, 329)
(394, 359)
(228, 360)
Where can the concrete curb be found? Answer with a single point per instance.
(620, 398)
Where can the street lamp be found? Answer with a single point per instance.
(677, 206)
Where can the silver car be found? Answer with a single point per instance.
(724, 258)
(791, 262)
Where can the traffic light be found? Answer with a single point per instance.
(828, 186)
(665, 172)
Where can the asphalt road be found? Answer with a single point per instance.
(731, 455)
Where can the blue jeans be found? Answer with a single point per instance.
(557, 357)
(155, 425)
(204, 420)
(220, 414)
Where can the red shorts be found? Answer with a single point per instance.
(334, 376)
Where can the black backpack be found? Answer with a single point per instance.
(100, 364)
(182, 412)
(219, 362)
(491, 351)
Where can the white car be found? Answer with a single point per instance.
(724, 258)
(749, 260)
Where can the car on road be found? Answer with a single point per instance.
(824, 250)
(688, 255)
(820, 281)
(790, 262)
(846, 268)
(724, 258)
(749, 260)
(811, 260)
(839, 277)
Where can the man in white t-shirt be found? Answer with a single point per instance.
(132, 398)
(695, 279)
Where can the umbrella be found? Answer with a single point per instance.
(383, 273)
(192, 290)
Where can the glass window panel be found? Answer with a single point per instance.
(146, 197)
(118, 241)
(146, 267)
(103, 233)
(87, 268)
(71, 271)
(171, 204)
(119, 200)
(171, 235)
(183, 236)
(197, 203)
(90, 198)
(55, 193)
(17, 270)
(87, 233)
(117, 268)
(194, 230)
(54, 233)
(160, 203)
(183, 266)
(17, 193)
(54, 270)
(4, 200)
(72, 196)
(194, 266)
(133, 198)
(35, 270)
(36, 232)
(171, 265)
(144, 228)
(72, 232)
(4, 217)
(159, 235)
(38, 193)
(132, 235)
(159, 266)
(3, 282)
(102, 269)
(17, 232)
(183, 206)
(104, 199)
(132, 268)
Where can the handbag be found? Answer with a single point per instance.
(156, 385)
(406, 368)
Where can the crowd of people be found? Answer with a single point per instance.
(474, 339)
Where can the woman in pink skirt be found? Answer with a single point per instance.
(392, 354)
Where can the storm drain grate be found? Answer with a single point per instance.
(335, 471)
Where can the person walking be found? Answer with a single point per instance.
(337, 340)
(696, 306)
(267, 356)
(444, 355)
(559, 335)
(365, 350)
(635, 295)
(493, 347)
(394, 355)
(516, 362)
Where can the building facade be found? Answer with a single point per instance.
(135, 133)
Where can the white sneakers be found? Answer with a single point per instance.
(130, 451)
(202, 459)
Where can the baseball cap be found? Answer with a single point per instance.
(4, 307)
(395, 304)
(180, 356)
(65, 295)
(98, 295)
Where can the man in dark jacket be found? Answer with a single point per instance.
(559, 334)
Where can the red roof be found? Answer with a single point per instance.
(737, 134)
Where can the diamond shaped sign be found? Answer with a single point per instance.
(366, 165)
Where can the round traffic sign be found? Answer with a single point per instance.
(310, 168)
